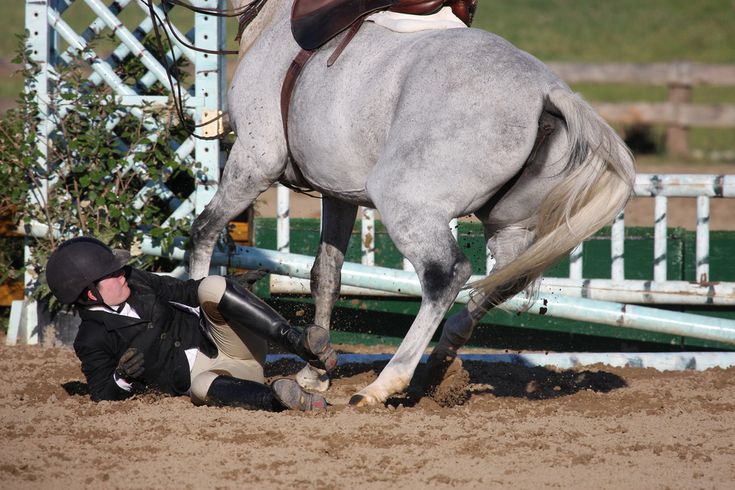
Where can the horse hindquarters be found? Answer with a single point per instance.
(597, 182)
(509, 227)
(588, 193)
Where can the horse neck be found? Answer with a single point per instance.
(269, 11)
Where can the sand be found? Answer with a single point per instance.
(515, 428)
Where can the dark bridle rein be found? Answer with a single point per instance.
(246, 14)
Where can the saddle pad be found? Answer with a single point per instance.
(443, 19)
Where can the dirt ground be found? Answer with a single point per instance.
(516, 428)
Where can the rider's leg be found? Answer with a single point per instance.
(231, 308)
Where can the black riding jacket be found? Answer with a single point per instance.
(164, 331)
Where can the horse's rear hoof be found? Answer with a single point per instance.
(359, 400)
(436, 370)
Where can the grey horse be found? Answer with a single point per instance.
(423, 127)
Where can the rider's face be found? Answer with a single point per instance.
(114, 289)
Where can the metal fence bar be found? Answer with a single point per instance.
(190, 53)
(575, 262)
(367, 244)
(209, 84)
(684, 185)
(102, 68)
(206, 28)
(642, 291)
(617, 248)
(43, 42)
(660, 239)
(702, 247)
(136, 47)
(283, 220)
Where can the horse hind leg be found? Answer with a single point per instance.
(243, 180)
(338, 219)
(506, 241)
(505, 245)
(425, 239)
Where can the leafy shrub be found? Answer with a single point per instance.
(106, 173)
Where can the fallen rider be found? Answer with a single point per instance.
(206, 339)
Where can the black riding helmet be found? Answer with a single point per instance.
(78, 263)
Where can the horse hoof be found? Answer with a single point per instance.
(436, 369)
(313, 379)
(359, 400)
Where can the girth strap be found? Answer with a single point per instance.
(345, 41)
(289, 82)
(298, 64)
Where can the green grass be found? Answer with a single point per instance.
(621, 30)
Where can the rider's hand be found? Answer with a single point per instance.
(130, 365)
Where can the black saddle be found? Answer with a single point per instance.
(314, 22)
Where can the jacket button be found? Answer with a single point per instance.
(177, 344)
(163, 335)
(150, 325)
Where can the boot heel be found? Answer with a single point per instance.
(291, 395)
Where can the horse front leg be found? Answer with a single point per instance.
(338, 219)
(243, 180)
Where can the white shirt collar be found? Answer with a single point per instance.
(127, 310)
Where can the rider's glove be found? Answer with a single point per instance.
(130, 366)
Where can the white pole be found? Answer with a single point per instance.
(404, 282)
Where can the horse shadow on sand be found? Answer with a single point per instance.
(478, 378)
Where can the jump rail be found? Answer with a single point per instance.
(554, 304)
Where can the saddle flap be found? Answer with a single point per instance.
(314, 22)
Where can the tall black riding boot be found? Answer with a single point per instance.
(240, 307)
(282, 394)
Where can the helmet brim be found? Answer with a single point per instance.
(122, 257)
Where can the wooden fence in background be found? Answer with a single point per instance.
(678, 113)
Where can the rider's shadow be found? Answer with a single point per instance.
(76, 388)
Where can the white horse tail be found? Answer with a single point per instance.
(599, 181)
